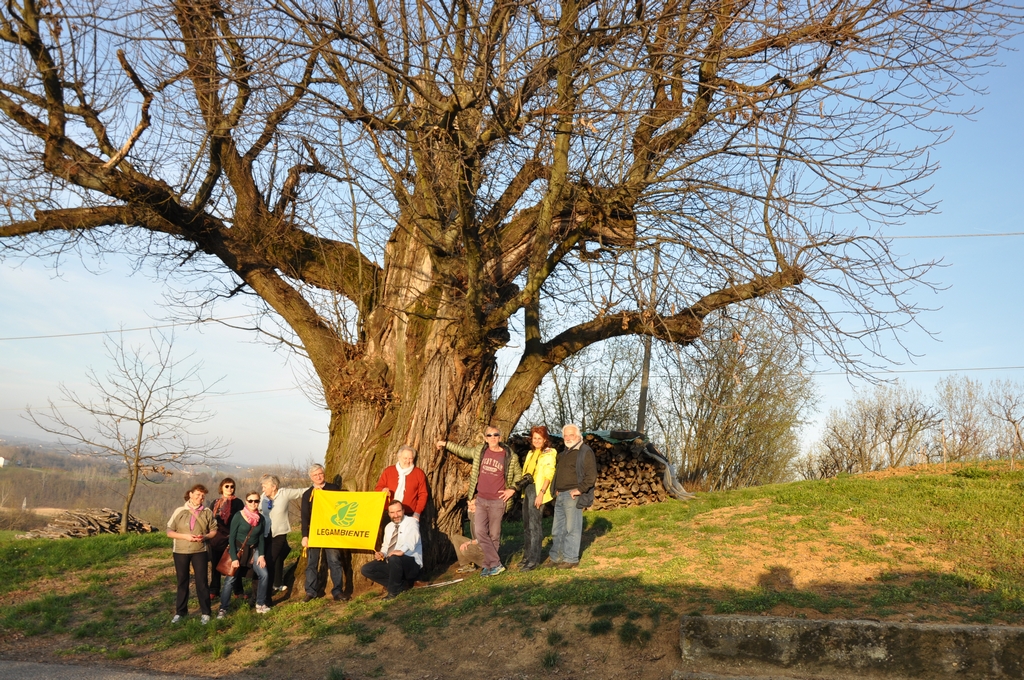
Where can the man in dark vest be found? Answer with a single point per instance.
(575, 476)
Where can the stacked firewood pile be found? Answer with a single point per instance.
(630, 471)
(626, 477)
(82, 523)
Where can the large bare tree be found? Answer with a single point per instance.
(403, 184)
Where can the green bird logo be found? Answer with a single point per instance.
(345, 514)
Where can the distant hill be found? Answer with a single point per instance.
(17, 440)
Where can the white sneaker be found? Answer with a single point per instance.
(281, 589)
(221, 614)
(204, 619)
(262, 609)
(176, 619)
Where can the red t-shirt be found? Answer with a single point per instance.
(491, 481)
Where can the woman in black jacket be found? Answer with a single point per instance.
(224, 510)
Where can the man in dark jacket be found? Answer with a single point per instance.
(313, 555)
(575, 477)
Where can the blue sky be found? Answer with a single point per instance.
(977, 318)
(268, 420)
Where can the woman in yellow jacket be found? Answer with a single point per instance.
(540, 463)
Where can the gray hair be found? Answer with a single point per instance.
(407, 448)
(572, 426)
(271, 479)
(314, 467)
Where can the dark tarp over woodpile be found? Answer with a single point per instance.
(630, 470)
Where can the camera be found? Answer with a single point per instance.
(526, 481)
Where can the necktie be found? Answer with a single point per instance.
(394, 541)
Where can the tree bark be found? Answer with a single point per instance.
(133, 482)
(418, 379)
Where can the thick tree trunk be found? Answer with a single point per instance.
(419, 378)
(446, 399)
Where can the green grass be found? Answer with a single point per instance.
(22, 562)
(658, 562)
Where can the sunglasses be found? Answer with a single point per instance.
(492, 435)
(252, 500)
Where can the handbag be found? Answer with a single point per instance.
(226, 564)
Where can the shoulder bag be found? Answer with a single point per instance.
(226, 564)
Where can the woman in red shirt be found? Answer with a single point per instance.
(405, 482)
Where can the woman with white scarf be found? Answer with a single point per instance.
(406, 483)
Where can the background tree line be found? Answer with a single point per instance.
(893, 425)
(727, 409)
(51, 479)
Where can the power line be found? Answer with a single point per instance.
(931, 370)
(843, 373)
(211, 396)
(242, 316)
(239, 394)
(122, 330)
(1008, 233)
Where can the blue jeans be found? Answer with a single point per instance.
(333, 558)
(566, 530)
(261, 585)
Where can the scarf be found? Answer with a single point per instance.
(222, 508)
(402, 473)
(194, 510)
(253, 518)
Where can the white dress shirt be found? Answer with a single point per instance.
(408, 539)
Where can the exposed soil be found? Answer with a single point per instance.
(484, 649)
(772, 561)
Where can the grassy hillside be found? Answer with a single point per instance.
(920, 544)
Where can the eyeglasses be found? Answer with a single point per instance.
(229, 486)
(252, 500)
(493, 434)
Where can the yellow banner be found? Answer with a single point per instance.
(346, 519)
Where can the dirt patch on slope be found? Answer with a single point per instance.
(481, 647)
